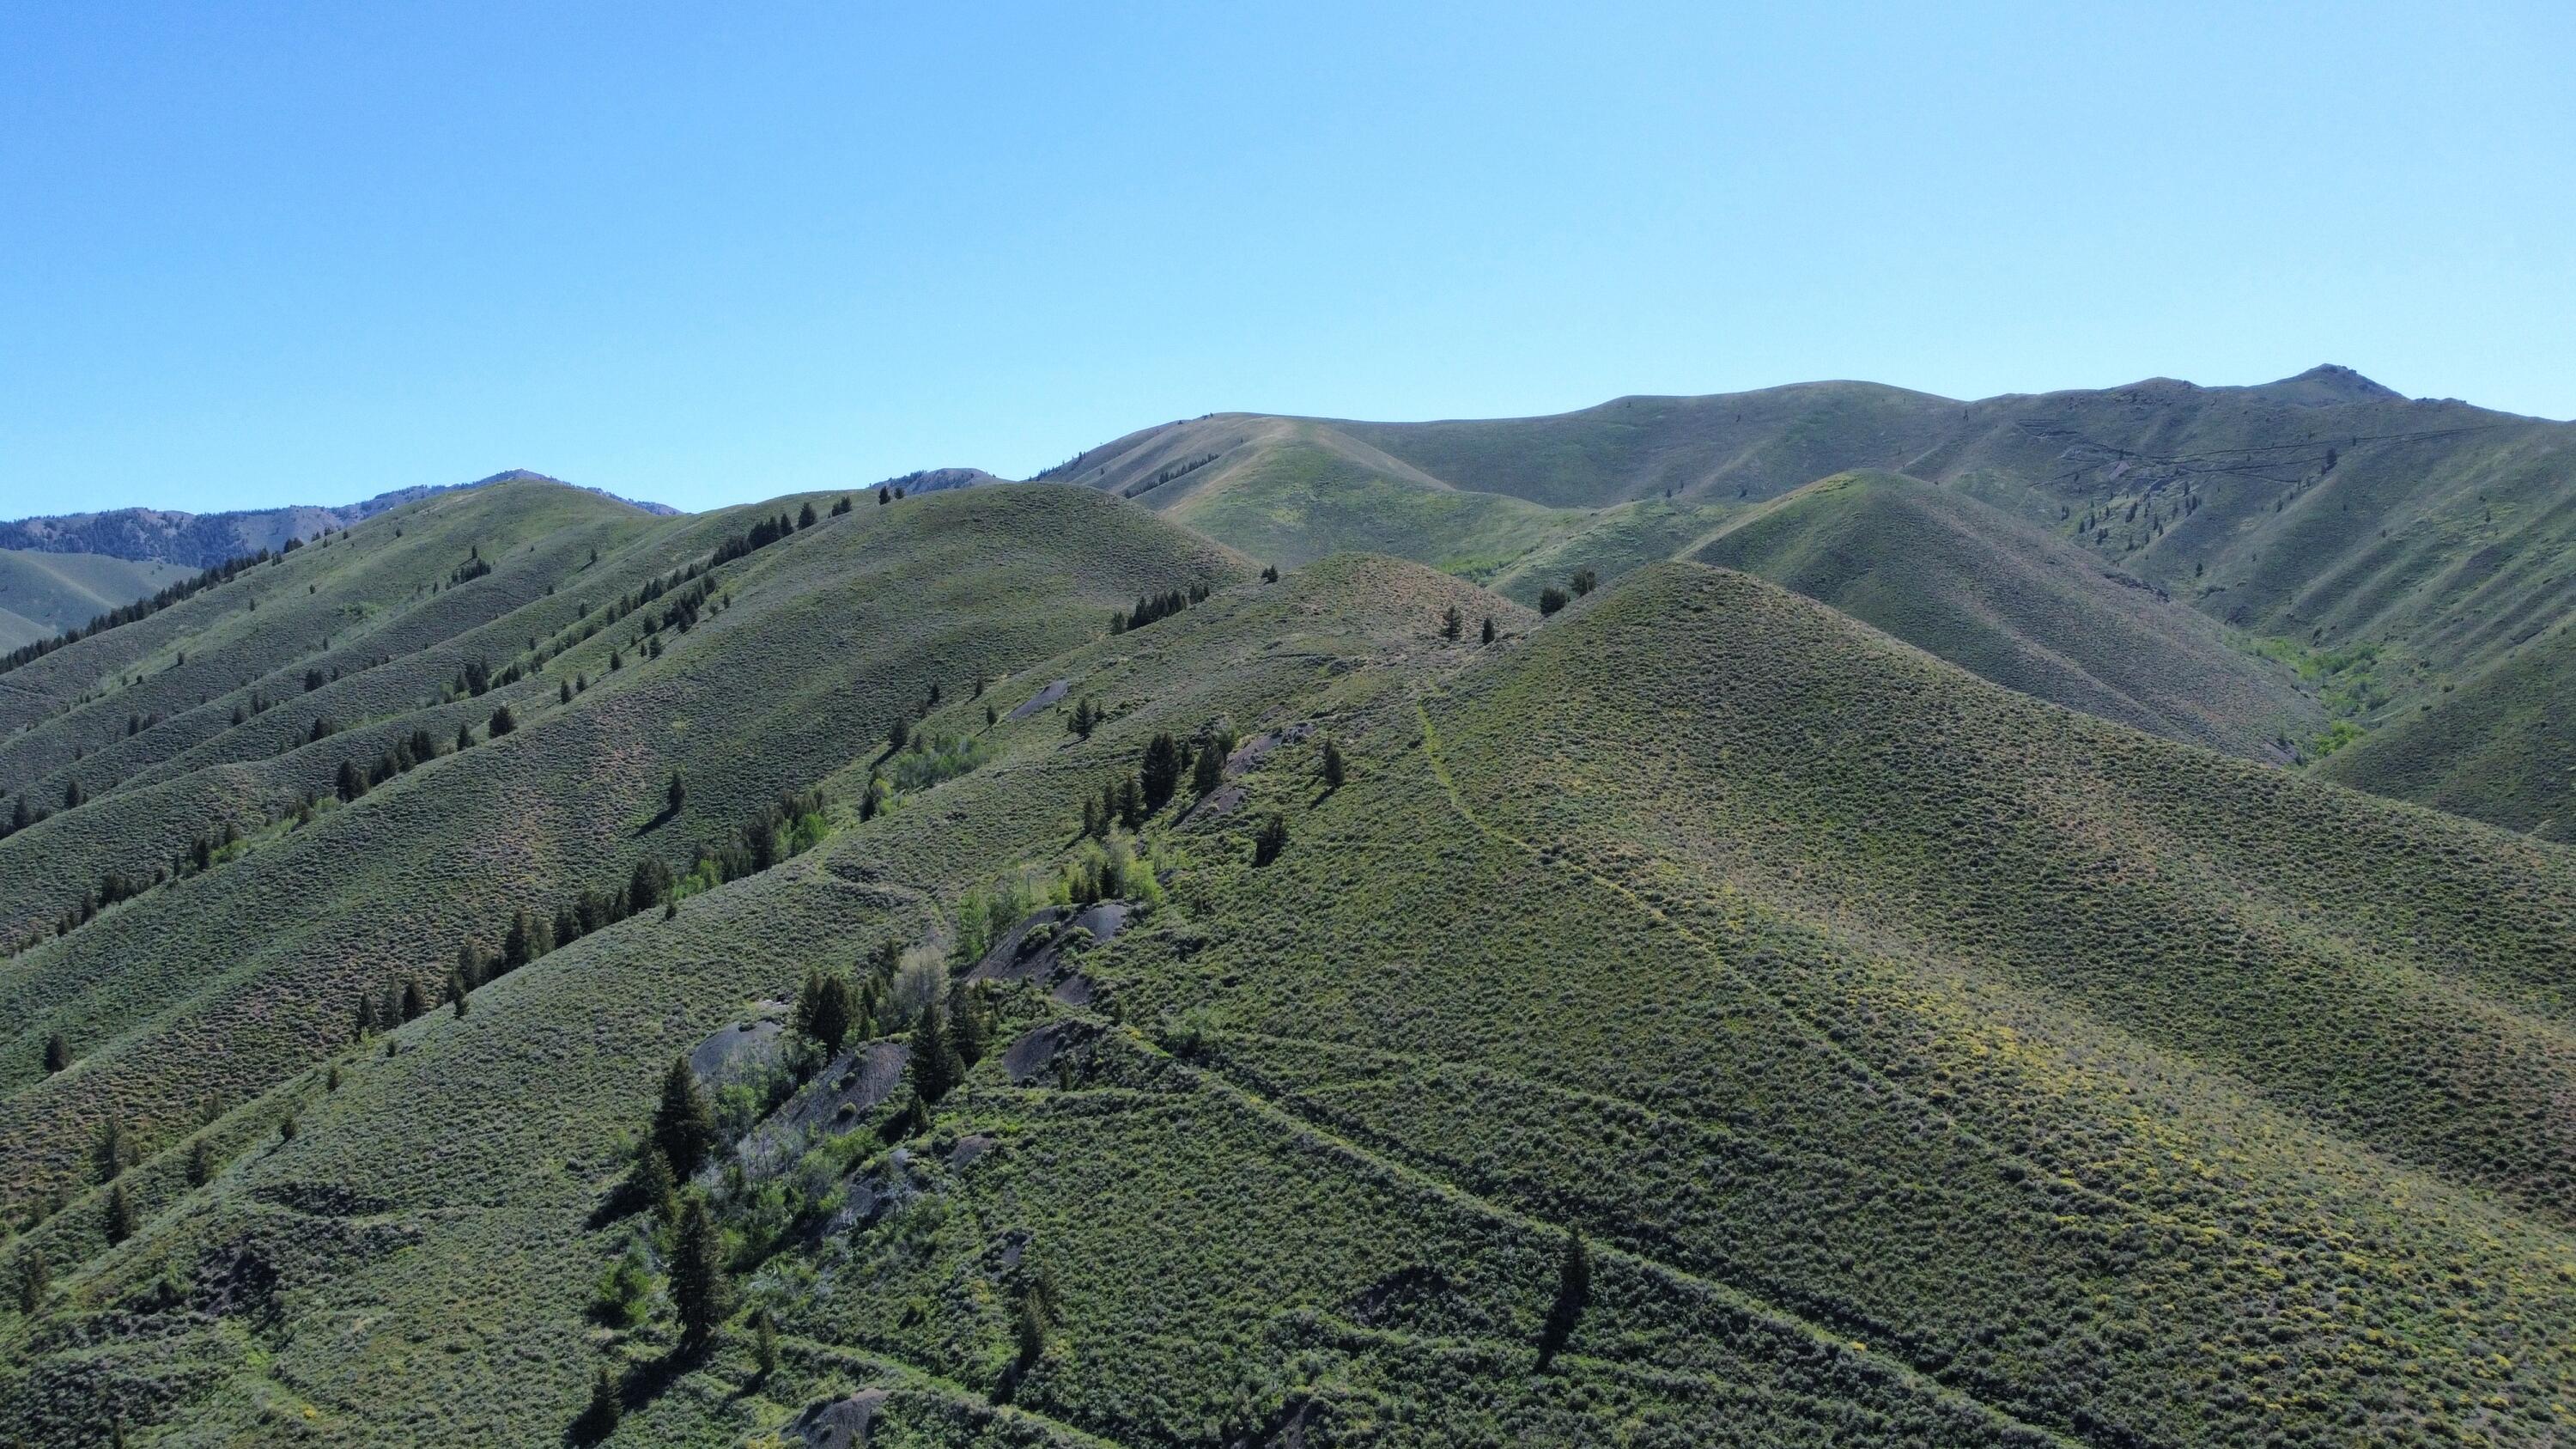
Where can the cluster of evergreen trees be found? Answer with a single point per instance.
(1153, 607)
(474, 567)
(139, 609)
(1129, 801)
(405, 755)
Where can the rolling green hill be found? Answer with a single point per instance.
(41, 594)
(2501, 747)
(2382, 548)
(1917, 1062)
(2016, 605)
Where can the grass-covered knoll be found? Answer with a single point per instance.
(1293, 491)
(2501, 747)
(223, 982)
(1612, 542)
(43, 594)
(2009, 602)
(1919, 1063)
(2321, 513)
(387, 587)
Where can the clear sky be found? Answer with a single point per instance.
(254, 253)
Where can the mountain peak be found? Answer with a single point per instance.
(2328, 383)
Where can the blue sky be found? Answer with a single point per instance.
(254, 254)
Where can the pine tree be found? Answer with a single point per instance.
(805, 516)
(1093, 827)
(684, 1124)
(1207, 772)
(698, 1285)
(675, 794)
(58, 1054)
(1451, 622)
(1489, 629)
(968, 1031)
(898, 734)
(1333, 770)
(1160, 775)
(34, 1277)
(331, 1078)
(415, 1002)
(112, 1151)
(1584, 582)
(502, 722)
(120, 1214)
(606, 1410)
(655, 1184)
(1551, 599)
(934, 1062)
(764, 1344)
(826, 1010)
(201, 1162)
(1131, 803)
(464, 737)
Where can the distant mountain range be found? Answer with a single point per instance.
(200, 540)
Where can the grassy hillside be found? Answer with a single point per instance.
(1920, 1063)
(42, 594)
(2385, 548)
(2004, 600)
(2501, 747)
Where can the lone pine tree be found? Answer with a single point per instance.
(684, 1123)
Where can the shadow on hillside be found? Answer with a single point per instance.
(669, 814)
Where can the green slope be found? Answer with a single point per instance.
(43, 594)
(2006, 601)
(2501, 747)
(1923, 1063)
(2390, 547)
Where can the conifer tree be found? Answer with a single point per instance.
(1207, 770)
(502, 722)
(764, 1344)
(655, 1184)
(684, 1124)
(934, 1064)
(201, 1162)
(1489, 629)
(415, 1002)
(112, 1151)
(1333, 770)
(968, 1031)
(675, 794)
(58, 1054)
(1092, 825)
(698, 1285)
(1131, 803)
(1160, 775)
(805, 516)
(120, 1214)
(34, 1277)
(464, 737)
(1551, 599)
(606, 1410)
(1451, 622)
